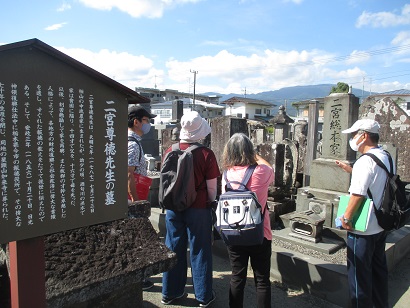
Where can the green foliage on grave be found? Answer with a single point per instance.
(270, 129)
(341, 87)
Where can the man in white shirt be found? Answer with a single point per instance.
(366, 258)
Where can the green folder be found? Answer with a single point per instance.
(360, 219)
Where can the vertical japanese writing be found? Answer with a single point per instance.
(335, 128)
(91, 175)
(16, 155)
(61, 131)
(71, 137)
(81, 149)
(110, 150)
(28, 156)
(51, 149)
(40, 154)
(3, 154)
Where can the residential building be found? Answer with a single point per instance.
(167, 95)
(248, 108)
(302, 109)
(205, 109)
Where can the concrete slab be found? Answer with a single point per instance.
(327, 245)
(317, 277)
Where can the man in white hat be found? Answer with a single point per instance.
(366, 258)
(193, 226)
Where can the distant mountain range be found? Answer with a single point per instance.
(289, 95)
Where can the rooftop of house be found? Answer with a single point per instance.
(395, 92)
(245, 100)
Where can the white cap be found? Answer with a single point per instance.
(193, 127)
(367, 125)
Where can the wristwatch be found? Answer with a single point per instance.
(345, 220)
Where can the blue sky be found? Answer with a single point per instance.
(257, 45)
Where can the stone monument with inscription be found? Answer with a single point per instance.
(62, 142)
(327, 180)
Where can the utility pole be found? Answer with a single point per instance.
(193, 102)
(363, 90)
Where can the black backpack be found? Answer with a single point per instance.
(394, 210)
(177, 189)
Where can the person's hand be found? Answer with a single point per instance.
(346, 226)
(347, 168)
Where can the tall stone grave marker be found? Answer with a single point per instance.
(327, 180)
(340, 112)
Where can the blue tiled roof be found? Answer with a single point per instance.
(396, 92)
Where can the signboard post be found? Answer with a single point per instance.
(27, 273)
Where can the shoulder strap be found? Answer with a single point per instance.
(245, 180)
(192, 146)
(380, 163)
(130, 138)
(248, 174)
(175, 146)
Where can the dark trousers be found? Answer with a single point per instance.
(260, 261)
(367, 270)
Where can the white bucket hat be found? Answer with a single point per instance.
(193, 127)
(367, 125)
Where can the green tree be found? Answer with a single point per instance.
(341, 87)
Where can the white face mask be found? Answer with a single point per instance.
(353, 143)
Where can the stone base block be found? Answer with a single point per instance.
(325, 174)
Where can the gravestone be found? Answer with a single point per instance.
(222, 128)
(327, 180)
(281, 123)
(300, 137)
(394, 128)
(341, 111)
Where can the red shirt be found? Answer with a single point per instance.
(205, 168)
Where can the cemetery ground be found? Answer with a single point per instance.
(282, 294)
(73, 258)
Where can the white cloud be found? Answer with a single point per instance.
(389, 86)
(357, 56)
(384, 19)
(226, 72)
(55, 26)
(128, 69)
(136, 8)
(258, 72)
(215, 43)
(402, 39)
(294, 1)
(64, 7)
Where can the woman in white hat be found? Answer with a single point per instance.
(193, 226)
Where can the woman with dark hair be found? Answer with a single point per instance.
(238, 154)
